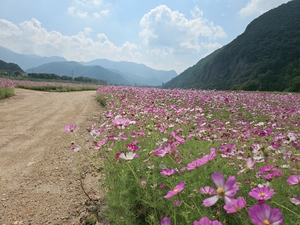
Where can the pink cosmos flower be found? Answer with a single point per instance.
(178, 138)
(266, 168)
(196, 163)
(261, 194)
(235, 205)
(207, 190)
(167, 172)
(263, 214)
(224, 190)
(176, 190)
(293, 180)
(70, 128)
(206, 221)
(295, 201)
(202, 161)
(165, 221)
(101, 142)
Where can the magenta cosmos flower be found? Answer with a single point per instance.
(206, 221)
(261, 194)
(224, 190)
(165, 221)
(293, 180)
(70, 128)
(176, 190)
(235, 205)
(262, 214)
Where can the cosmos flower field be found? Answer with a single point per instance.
(6, 88)
(199, 157)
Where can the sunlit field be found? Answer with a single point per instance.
(6, 88)
(199, 157)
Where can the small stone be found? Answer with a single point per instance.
(30, 163)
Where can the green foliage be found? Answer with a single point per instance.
(9, 67)
(101, 99)
(81, 79)
(6, 92)
(265, 57)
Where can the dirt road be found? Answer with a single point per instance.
(39, 179)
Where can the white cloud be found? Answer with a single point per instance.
(86, 8)
(29, 37)
(82, 14)
(8, 29)
(101, 13)
(71, 10)
(164, 28)
(196, 12)
(260, 6)
(87, 31)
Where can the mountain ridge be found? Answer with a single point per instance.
(265, 57)
(75, 69)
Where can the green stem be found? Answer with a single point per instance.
(134, 174)
(287, 209)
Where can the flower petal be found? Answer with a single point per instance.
(218, 179)
(211, 200)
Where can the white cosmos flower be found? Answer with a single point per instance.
(127, 156)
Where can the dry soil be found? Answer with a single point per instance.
(39, 175)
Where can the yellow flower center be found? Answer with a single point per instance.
(262, 195)
(221, 192)
(266, 222)
(175, 190)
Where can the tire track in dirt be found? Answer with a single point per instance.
(38, 176)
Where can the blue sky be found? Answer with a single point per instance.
(162, 34)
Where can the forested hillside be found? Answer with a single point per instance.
(265, 57)
(9, 67)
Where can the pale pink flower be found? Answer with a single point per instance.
(167, 172)
(293, 180)
(70, 128)
(295, 201)
(250, 165)
(207, 190)
(75, 148)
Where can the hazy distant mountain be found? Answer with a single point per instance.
(75, 69)
(136, 73)
(26, 61)
(131, 73)
(266, 57)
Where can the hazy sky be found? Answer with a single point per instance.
(169, 34)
